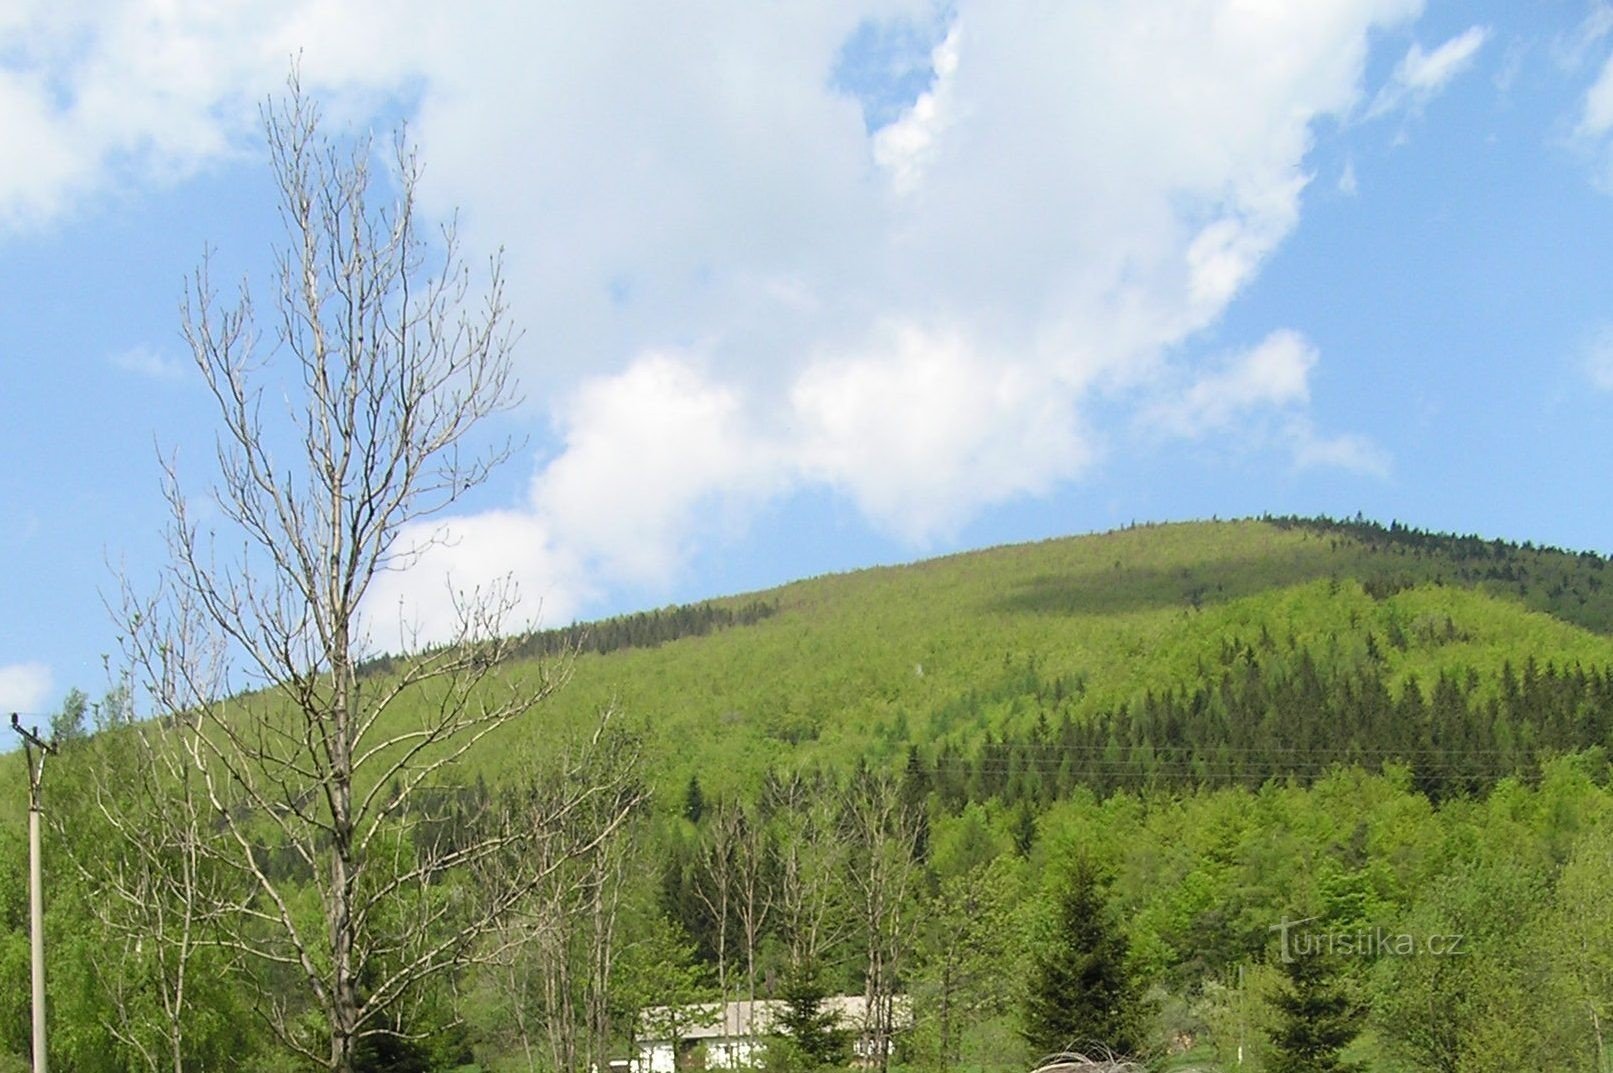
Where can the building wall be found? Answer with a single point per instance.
(721, 1053)
(734, 1053)
(654, 1058)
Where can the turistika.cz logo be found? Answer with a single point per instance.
(1297, 941)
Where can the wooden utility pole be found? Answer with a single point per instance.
(35, 749)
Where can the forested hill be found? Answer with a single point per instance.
(1193, 731)
(1187, 653)
(1199, 652)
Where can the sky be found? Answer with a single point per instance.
(806, 287)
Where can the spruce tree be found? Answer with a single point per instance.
(694, 800)
(815, 1030)
(1318, 1018)
(1082, 995)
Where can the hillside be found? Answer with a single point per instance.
(948, 652)
(967, 658)
(1237, 723)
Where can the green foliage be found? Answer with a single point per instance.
(1580, 934)
(970, 947)
(14, 1008)
(68, 723)
(1484, 996)
(694, 800)
(391, 1054)
(1319, 1017)
(660, 984)
(1224, 720)
(812, 1029)
(1082, 995)
(1022, 672)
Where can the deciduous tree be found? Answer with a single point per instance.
(318, 775)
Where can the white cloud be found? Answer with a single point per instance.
(1347, 451)
(147, 362)
(1596, 114)
(647, 455)
(1597, 359)
(1570, 50)
(1349, 186)
(1429, 72)
(1421, 76)
(24, 687)
(503, 558)
(1276, 373)
(1075, 193)
(906, 147)
(1592, 132)
(104, 93)
(732, 288)
(1263, 392)
(924, 430)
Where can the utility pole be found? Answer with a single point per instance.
(35, 749)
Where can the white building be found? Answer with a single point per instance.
(735, 1036)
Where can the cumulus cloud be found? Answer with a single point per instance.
(1421, 76)
(923, 429)
(24, 687)
(905, 147)
(647, 455)
(1263, 392)
(445, 571)
(1276, 373)
(743, 275)
(101, 94)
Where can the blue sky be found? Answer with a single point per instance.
(815, 287)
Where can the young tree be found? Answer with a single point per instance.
(1082, 995)
(694, 800)
(717, 868)
(317, 779)
(1318, 1019)
(812, 1029)
(753, 891)
(662, 986)
(156, 888)
(968, 953)
(67, 724)
(550, 963)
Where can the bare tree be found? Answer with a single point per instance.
(716, 869)
(550, 961)
(320, 779)
(884, 829)
(810, 857)
(753, 892)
